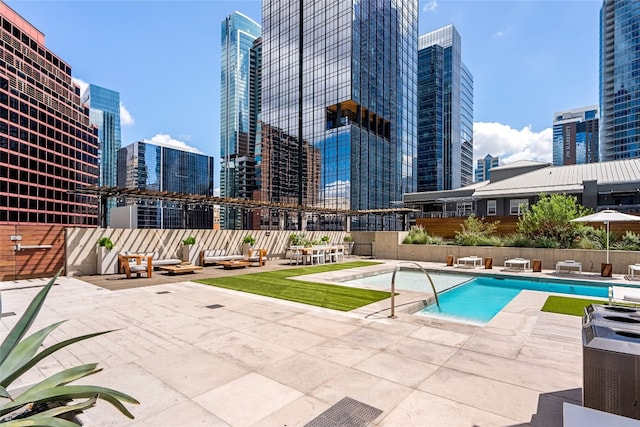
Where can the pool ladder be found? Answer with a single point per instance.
(393, 286)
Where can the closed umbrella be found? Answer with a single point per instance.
(607, 216)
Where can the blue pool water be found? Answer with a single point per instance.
(476, 299)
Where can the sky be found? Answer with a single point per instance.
(529, 59)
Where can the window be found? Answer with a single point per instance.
(463, 209)
(517, 206)
(491, 207)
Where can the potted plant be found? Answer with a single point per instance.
(190, 250)
(348, 240)
(106, 257)
(247, 243)
(325, 240)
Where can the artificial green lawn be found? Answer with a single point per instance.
(277, 284)
(567, 305)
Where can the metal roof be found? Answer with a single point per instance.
(567, 179)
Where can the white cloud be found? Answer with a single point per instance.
(430, 6)
(126, 119)
(83, 85)
(498, 34)
(167, 141)
(511, 144)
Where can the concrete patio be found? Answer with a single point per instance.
(199, 355)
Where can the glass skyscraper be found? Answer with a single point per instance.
(104, 114)
(619, 80)
(237, 118)
(338, 92)
(484, 166)
(575, 136)
(147, 166)
(445, 113)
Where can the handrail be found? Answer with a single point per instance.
(393, 286)
(19, 247)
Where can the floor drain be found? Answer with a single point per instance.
(214, 306)
(347, 413)
(163, 292)
(7, 314)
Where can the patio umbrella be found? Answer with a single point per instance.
(607, 216)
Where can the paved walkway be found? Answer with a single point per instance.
(199, 355)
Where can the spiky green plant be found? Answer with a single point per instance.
(47, 402)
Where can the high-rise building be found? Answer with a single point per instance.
(237, 149)
(104, 114)
(48, 148)
(144, 165)
(339, 80)
(484, 166)
(575, 136)
(445, 113)
(619, 81)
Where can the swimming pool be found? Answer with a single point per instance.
(474, 299)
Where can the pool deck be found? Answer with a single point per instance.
(199, 355)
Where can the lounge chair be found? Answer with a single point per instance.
(517, 264)
(624, 294)
(633, 269)
(135, 263)
(258, 255)
(568, 265)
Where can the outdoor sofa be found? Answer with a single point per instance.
(214, 256)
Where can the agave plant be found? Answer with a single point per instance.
(47, 403)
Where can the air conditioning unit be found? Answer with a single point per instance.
(611, 360)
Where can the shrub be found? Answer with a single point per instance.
(550, 218)
(296, 239)
(189, 241)
(420, 236)
(105, 242)
(47, 402)
(476, 232)
(629, 242)
(517, 240)
(249, 239)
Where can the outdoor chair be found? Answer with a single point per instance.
(296, 253)
(134, 263)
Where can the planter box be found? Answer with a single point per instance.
(191, 253)
(106, 260)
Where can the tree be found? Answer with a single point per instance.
(548, 221)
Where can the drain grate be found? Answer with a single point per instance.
(163, 292)
(214, 306)
(346, 413)
(7, 314)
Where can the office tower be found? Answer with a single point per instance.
(575, 136)
(338, 85)
(483, 168)
(619, 84)
(104, 114)
(237, 150)
(445, 112)
(147, 166)
(48, 148)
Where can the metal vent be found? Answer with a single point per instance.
(346, 413)
(214, 306)
(7, 314)
(163, 292)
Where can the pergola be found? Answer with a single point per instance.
(105, 193)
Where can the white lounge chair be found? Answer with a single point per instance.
(624, 294)
(568, 265)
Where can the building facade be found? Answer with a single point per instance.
(484, 166)
(445, 112)
(340, 78)
(575, 136)
(619, 80)
(48, 148)
(147, 166)
(237, 117)
(104, 114)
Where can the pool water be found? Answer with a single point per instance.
(475, 299)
